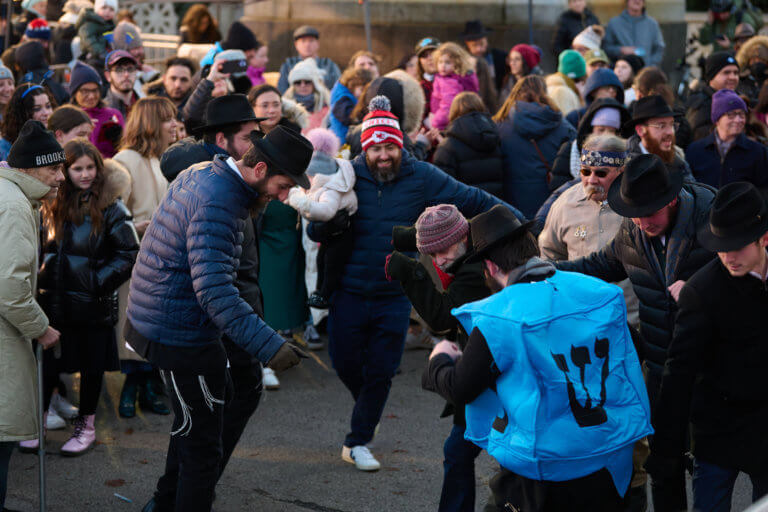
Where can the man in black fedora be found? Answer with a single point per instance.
(182, 300)
(653, 129)
(229, 121)
(658, 249)
(475, 36)
(714, 376)
(517, 365)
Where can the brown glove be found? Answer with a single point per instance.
(287, 356)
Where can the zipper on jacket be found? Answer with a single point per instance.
(379, 195)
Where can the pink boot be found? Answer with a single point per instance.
(82, 438)
(32, 445)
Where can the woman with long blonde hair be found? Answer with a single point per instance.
(532, 129)
(149, 130)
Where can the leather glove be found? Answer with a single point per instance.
(287, 356)
(397, 265)
(404, 238)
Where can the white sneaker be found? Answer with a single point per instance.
(53, 421)
(63, 407)
(312, 338)
(269, 378)
(361, 457)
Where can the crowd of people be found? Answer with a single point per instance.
(199, 227)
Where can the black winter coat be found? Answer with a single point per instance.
(471, 153)
(569, 24)
(698, 111)
(629, 256)
(715, 373)
(746, 160)
(80, 273)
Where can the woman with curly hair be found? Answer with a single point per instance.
(199, 27)
(29, 101)
(91, 248)
(149, 130)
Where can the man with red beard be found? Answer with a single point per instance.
(655, 124)
(657, 248)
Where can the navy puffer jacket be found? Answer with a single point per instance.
(182, 289)
(398, 203)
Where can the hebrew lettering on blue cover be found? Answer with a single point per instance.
(585, 415)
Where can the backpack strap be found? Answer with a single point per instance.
(543, 160)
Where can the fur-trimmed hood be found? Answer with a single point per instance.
(756, 46)
(413, 100)
(295, 112)
(117, 180)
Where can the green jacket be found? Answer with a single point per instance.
(739, 14)
(21, 318)
(91, 28)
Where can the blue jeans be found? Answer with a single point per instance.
(458, 493)
(6, 449)
(713, 486)
(366, 337)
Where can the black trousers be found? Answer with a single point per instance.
(331, 259)
(592, 493)
(212, 406)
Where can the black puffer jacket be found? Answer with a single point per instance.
(569, 24)
(698, 111)
(628, 256)
(81, 273)
(471, 153)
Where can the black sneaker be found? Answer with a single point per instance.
(317, 301)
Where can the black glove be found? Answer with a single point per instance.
(287, 356)
(398, 266)
(322, 231)
(404, 238)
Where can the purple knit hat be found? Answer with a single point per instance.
(439, 227)
(725, 100)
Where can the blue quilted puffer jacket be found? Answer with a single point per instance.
(182, 288)
(381, 206)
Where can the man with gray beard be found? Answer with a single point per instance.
(581, 221)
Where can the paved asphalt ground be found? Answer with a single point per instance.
(288, 458)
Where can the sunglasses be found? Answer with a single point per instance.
(600, 173)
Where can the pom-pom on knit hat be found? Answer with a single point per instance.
(440, 227)
(380, 125)
(38, 29)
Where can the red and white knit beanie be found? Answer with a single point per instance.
(440, 227)
(380, 125)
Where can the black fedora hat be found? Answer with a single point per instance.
(474, 30)
(739, 216)
(286, 151)
(491, 228)
(649, 107)
(645, 187)
(228, 109)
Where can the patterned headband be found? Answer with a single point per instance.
(592, 158)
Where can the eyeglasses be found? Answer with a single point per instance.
(736, 113)
(600, 173)
(123, 70)
(664, 126)
(303, 82)
(89, 91)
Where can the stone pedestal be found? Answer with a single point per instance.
(398, 24)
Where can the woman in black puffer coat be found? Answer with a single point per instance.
(471, 150)
(91, 250)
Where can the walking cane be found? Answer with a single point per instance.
(40, 426)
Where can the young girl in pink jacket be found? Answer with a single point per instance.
(455, 74)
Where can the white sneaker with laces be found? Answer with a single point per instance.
(269, 378)
(361, 457)
(53, 421)
(62, 406)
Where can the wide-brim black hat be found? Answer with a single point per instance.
(645, 187)
(738, 217)
(286, 151)
(649, 107)
(489, 229)
(227, 110)
(474, 30)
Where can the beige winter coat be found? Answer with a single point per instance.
(562, 94)
(21, 318)
(328, 194)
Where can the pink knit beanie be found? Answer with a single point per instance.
(439, 227)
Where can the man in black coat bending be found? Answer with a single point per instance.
(714, 376)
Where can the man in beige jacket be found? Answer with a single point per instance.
(37, 161)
